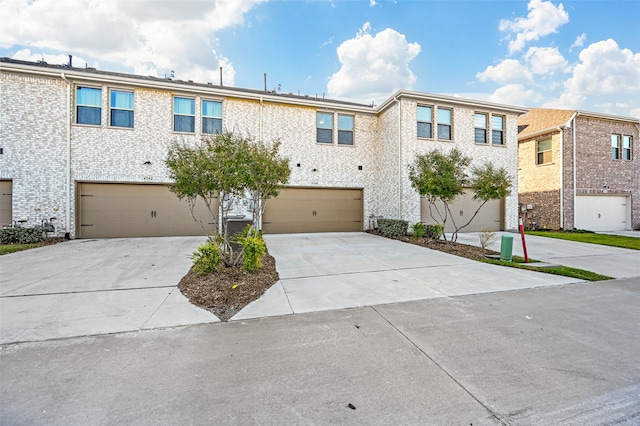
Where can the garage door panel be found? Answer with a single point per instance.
(603, 212)
(136, 210)
(298, 210)
(490, 216)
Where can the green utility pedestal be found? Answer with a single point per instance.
(506, 248)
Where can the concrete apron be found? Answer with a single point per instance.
(320, 272)
(89, 287)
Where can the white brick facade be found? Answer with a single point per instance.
(40, 139)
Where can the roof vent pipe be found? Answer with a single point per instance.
(70, 61)
(265, 81)
(220, 76)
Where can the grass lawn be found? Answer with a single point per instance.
(603, 239)
(11, 248)
(565, 271)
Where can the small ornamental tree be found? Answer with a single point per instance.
(442, 177)
(225, 166)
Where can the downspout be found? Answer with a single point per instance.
(261, 119)
(561, 177)
(399, 157)
(67, 233)
(575, 191)
(259, 209)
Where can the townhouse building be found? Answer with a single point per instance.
(579, 170)
(88, 147)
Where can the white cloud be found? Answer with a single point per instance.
(507, 71)
(545, 60)
(579, 41)
(544, 18)
(372, 3)
(148, 36)
(373, 67)
(604, 68)
(515, 94)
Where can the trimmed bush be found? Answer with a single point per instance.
(393, 227)
(207, 259)
(21, 235)
(433, 231)
(253, 247)
(418, 230)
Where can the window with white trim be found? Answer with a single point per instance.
(626, 147)
(480, 128)
(544, 152)
(615, 147)
(345, 129)
(324, 127)
(425, 121)
(184, 115)
(88, 105)
(121, 109)
(444, 123)
(497, 130)
(211, 117)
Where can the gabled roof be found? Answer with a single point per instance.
(540, 120)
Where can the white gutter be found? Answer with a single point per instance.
(68, 168)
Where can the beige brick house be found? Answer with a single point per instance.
(88, 147)
(578, 170)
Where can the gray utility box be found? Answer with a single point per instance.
(235, 225)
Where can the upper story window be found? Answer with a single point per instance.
(345, 129)
(324, 124)
(626, 147)
(480, 128)
(444, 124)
(425, 121)
(88, 105)
(184, 115)
(615, 147)
(544, 152)
(497, 130)
(211, 117)
(121, 109)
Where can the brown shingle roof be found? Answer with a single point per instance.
(537, 120)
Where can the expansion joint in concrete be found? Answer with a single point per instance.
(497, 416)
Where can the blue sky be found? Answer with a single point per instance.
(570, 54)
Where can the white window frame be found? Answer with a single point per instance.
(111, 108)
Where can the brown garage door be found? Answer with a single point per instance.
(116, 210)
(314, 210)
(489, 217)
(5, 202)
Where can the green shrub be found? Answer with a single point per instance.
(254, 248)
(207, 259)
(21, 235)
(433, 231)
(418, 230)
(393, 227)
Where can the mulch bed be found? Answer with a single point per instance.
(458, 249)
(215, 292)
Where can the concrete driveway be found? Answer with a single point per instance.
(87, 287)
(90, 287)
(327, 271)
